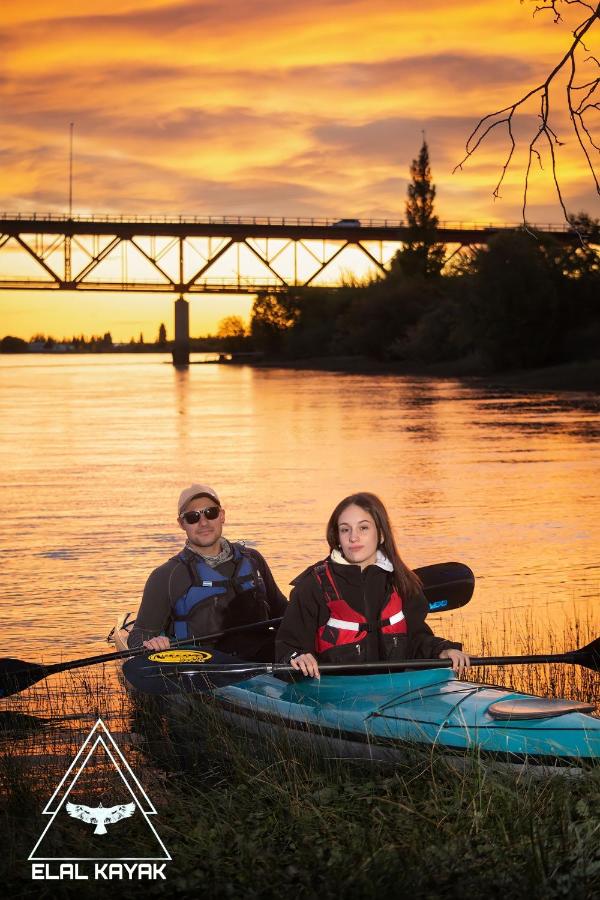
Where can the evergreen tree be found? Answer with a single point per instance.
(421, 255)
(162, 334)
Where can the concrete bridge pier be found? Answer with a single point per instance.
(181, 347)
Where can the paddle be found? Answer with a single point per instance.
(446, 585)
(16, 675)
(211, 669)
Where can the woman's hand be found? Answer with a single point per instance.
(157, 643)
(306, 663)
(460, 660)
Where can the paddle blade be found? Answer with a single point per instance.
(588, 656)
(180, 672)
(447, 585)
(17, 675)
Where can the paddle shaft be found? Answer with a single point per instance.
(140, 651)
(447, 663)
(587, 656)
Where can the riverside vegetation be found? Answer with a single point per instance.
(518, 303)
(242, 820)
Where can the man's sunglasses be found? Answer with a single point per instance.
(194, 515)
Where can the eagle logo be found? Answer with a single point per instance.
(100, 816)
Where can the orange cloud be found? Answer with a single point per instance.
(259, 107)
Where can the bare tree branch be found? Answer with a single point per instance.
(579, 101)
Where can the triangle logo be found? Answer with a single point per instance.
(99, 810)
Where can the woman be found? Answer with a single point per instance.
(362, 604)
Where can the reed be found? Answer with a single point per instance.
(501, 634)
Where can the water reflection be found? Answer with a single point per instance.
(96, 451)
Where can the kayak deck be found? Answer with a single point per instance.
(424, 708)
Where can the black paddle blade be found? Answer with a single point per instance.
(180, 672)
(447, 585)
(17, 675)
(588, 656)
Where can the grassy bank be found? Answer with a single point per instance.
(268, 825)
(421, 832)
(266, 819)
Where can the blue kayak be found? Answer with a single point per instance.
(379, 716)
(382, 716)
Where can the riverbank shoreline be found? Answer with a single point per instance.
(428, 823)
(580, 376)
(573, 376)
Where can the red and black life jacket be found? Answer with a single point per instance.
(347, 626)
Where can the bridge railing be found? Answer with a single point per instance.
(286, 221)
(247, 283)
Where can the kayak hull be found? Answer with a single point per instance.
(381, 716)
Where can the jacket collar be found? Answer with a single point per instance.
(381, 560)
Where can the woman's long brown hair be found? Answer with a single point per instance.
(407, 583)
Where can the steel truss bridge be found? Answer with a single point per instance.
(231, 254)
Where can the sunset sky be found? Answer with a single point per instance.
(244, 107)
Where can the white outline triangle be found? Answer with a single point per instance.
(58, 798)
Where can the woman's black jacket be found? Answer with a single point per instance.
(367, 592)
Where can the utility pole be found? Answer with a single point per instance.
(70, 169)
(68, 236)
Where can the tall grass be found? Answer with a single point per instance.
(274, 819)
(503, 635)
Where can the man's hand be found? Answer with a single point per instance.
(157, 643)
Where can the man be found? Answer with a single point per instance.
(212, 585)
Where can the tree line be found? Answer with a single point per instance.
(519, 302)
(231, 336)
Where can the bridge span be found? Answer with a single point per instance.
(210, 254)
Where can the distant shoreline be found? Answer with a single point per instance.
(571, 376)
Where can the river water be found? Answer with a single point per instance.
(95, 450)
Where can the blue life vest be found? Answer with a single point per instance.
(225, 602)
